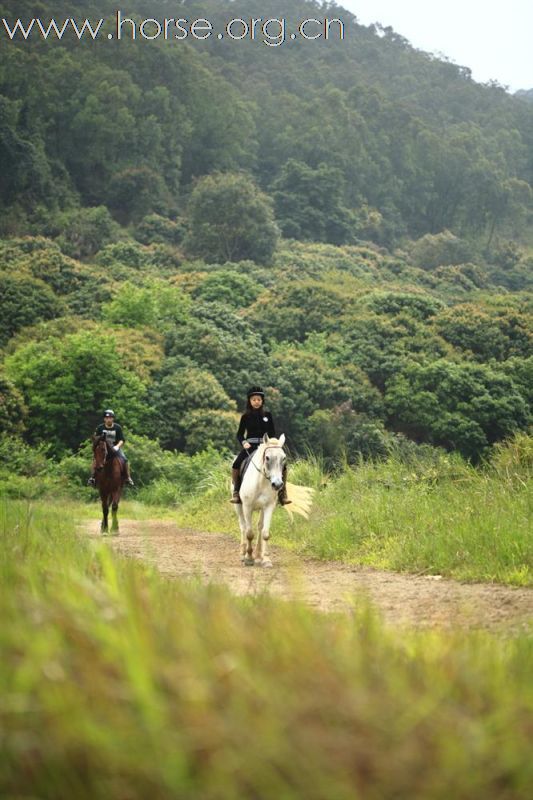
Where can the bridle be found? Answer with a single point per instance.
(262, 470)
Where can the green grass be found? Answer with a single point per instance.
(115, 683)
(443, 518)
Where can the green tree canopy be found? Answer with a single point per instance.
(191, 410)
(24, 301)
(67, 382)
(230, 220)
(457, 406)
(309, 203)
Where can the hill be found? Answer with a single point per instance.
(394, 140)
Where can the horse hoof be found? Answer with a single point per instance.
(267, 563)
(248, 562)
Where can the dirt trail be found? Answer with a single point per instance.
(423, 601)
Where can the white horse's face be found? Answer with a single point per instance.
(274, 461)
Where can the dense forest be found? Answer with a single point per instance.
(348, 223)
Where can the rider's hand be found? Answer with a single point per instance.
(247, 445)
(116, 448)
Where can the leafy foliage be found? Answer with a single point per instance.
(230, 220)
(458, 406)
(66, 383)
(24, 301)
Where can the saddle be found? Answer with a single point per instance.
(245, 464)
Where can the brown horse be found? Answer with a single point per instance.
(108, 472)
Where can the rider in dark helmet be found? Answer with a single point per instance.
(114, 435)
(255, 422)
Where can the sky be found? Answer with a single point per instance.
(494, 39)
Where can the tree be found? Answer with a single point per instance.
(230, 220)
(155, 229)
(12, 409)
(24, 301)
(229, 287)
(136, 192)
(342, 433)
(458, 406)
(158, 305)
(302, 382)
(220, 341)
(86, 231)
(309, 203)
(191, 410)
(67, 382)
(440, 249)
(297, 310)
(485, 335)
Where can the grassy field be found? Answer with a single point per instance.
(441, 517)
(118, 684)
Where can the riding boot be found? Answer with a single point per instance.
(92, 479)
(127, 477)
(282, 494)
(236, 480)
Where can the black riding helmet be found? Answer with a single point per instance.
(255, 390)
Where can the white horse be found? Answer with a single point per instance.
(259, 492)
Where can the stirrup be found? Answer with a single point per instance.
(91, 482)
(129, 482)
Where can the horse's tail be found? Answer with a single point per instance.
(301, 498)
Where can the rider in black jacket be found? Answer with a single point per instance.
(115, 437)
(255, 422)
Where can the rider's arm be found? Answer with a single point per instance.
(120, 437)
(242, 430)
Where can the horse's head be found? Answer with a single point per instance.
(100, 451)
(274, 460)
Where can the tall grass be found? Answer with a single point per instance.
(117, 684)
(438, 515)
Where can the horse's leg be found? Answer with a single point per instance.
(259, 545)
(114, 509)
(242, 527)
(264, 534)
(248, 532)
(105, 510)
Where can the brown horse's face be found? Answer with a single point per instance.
(100, 453)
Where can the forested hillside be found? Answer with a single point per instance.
(345, 222)
(392, 140)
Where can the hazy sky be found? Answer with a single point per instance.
(494, 39)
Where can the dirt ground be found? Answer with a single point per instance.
(329, 586)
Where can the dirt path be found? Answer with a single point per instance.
(423, 601)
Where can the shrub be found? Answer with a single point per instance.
(86, 231)
(24, 301)
(154, 229)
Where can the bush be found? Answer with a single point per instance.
(67, 382)
(24, 301)
(228, 287)
(12, 408)
(458, 406)
(154, 229)
(86, 231)
(440, 249)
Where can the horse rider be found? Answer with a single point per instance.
(255, 422)
(115, 438)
